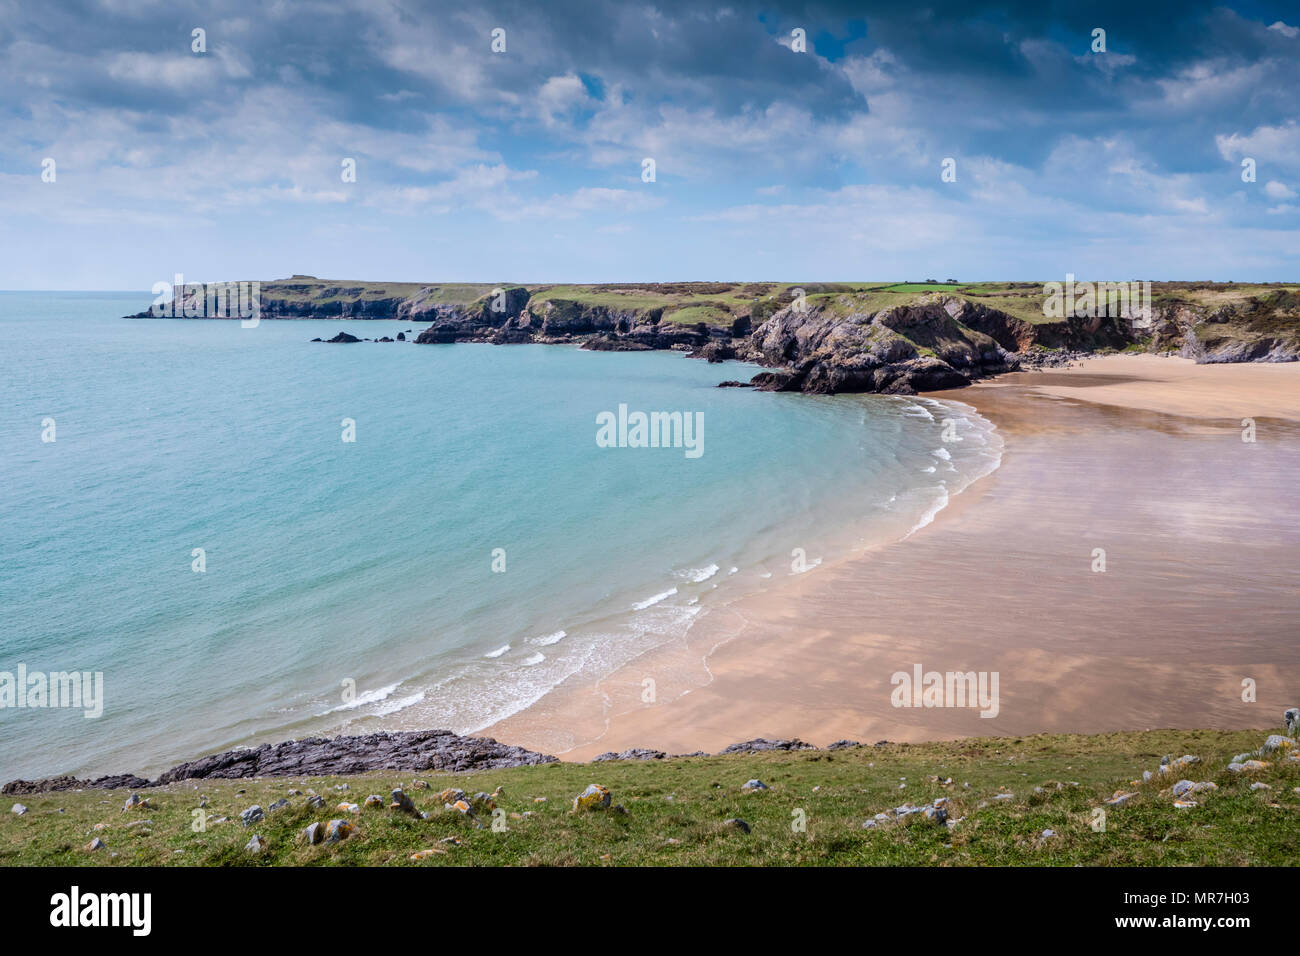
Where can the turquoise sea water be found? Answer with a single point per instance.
(333, 564)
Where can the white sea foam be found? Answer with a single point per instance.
(548, 639)
(533, 659)
(369, 697)
(942, 453)
(393, 706)
(651, 601)
(696, 575)
(940, 502)
(498, 652)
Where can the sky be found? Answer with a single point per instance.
(528, 164)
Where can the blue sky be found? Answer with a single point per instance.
(526, 165)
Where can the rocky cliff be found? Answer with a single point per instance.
(824, 338)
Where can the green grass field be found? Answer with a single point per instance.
(677, 811)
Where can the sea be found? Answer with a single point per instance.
(252, 537)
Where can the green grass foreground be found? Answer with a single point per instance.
(677, 811)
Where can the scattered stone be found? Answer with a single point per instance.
(1247, 766)
(95, 844)
(595, 797)
(451, 841)
(313, 834)
(936, 814)
(19, 809)
(278, 805)
(1205, 786)
(403, 802)
(338, 830)
(753, 786)
(421, 785)
(255, 845)
(348, 807)
(374, 800)
(1004, 796)
(1048, 834)
(134, 802)
(1184, 804)
(1260, 786)
(843, 745)
(1120, 798)
(451, 795)
(1182, 787)
(1291, 718)
(738, 823)
(1276, 742)
(252, 815)
(315, 801)
(869, 824)
(425, 854)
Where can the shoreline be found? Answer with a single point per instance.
(797, 659)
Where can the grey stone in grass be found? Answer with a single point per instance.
(1292, 720)
(1247, 766)
(255, 845)
(252, 815)
(738, 823)
(316, 801)
(752, 786)
(1274, 743)
(313, 834)
(337, 830)
(278, 805)
(19, 809)
(1183, 786)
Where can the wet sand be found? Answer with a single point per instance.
(1140, 456)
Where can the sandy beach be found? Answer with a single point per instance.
(1141, 457)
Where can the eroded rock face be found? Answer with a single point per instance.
(901, 350)
(319, 756)
(938, 341)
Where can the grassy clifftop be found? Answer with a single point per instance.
(1023, 300)
(1000, 798)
